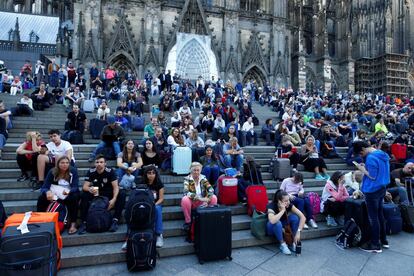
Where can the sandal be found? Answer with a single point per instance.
(72, 232)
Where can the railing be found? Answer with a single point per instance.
(41, 48)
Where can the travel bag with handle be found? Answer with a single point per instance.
(141, 250)
(140, 209)
(88, 106)
(213, 233)
(256, 198)
(96, 126)
(137, 123)
(227, 193)
(407, 214)
(281, 168)
(30, 245)
(393, 220)
(99, 218)
(181, 160)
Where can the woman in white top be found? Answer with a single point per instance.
(248, 130)
(103, 111)
(16, 86)
(175, 139)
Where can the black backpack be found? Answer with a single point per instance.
(99, 219)
(141, 250)
(140, 209)
(349, 236)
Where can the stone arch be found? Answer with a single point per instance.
(310, 83)
(335, 82)
(254, 72)
(122, 61)
(192, 61)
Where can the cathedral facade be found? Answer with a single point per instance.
(303, 44)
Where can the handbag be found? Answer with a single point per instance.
(287, 233)
(258, 224)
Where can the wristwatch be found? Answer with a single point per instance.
(299, 230)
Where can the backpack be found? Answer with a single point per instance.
(349, 236)
(3, 215)
(315, 202)
(140, 209)
(99, 219)
(62, 210)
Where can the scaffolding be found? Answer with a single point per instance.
(387, 74)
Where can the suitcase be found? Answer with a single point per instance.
(137, 123)
(281, 168)
(399, 151)
(227, 193)
(181, 160)
(96, 126)
(256, 199)
(357, 209)
(88, 106)
(212, 233)
(42, 245)
(141, 250)
(393, 220)
(407, 214)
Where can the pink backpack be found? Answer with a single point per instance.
(315, 202)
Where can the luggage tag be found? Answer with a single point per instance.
(23, 226)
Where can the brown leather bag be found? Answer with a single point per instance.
(287, 232)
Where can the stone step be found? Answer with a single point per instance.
(96, 254)
(173, 198)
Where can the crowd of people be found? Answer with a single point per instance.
(309, 126)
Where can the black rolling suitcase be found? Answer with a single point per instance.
(212, 233)
(34, 253)
(357, 209)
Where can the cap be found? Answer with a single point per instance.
(111, 120)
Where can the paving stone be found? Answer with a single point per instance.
(252, 257)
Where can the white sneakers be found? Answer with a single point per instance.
(284, 249)
(160, 241)
(313, 224)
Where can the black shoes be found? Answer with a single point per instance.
(385, 244)
(82, 228)
(114, 226)
(23, 177)
(186, 227)
(368, 247)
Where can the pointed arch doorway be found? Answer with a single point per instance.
(255, 74)
(122, 62)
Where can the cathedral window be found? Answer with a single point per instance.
(33, 38)
(249, 5)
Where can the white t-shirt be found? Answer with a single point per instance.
(60, 150)
(198, 190)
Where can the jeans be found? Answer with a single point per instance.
(303, 204)
(187, 204)
(158, 219)
(277, 228)
(121, 172)
(212, 173)
(3, 140)
(376, 219)
(102, 144)
(401, 192)
(250, 137)
(233, 161)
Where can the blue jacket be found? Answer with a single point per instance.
(377, 164)
(50, 179)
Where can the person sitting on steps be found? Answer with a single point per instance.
(27, 154)
(50, 153)
(280, 214)
(112, 135)
(63, 175)
(105, 180)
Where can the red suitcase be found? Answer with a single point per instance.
(399, 151)
(227, 193)
(256, 198)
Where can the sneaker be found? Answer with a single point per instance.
(319, 177)
(114, 226)
(341, 220)
(326, 176)
(313, 224)
(292, 248)
(82, 228)
(186, 227)
(124, 246)
(284, 249)
(330, 221)
(22, 178)
(368, 247)
(305, 226)
(160, 241)
(385, 244)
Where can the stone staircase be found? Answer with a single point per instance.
(93, 249)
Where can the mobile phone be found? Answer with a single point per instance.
(355, 163)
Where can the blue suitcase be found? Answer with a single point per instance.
(181, 160)
(138, 123)
(96, 126)
(393, 219)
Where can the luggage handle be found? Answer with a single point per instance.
(23, 226)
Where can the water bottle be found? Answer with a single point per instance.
(298, 248)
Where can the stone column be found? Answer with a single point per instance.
(9, 5)
(49, 7)
(27, 6)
